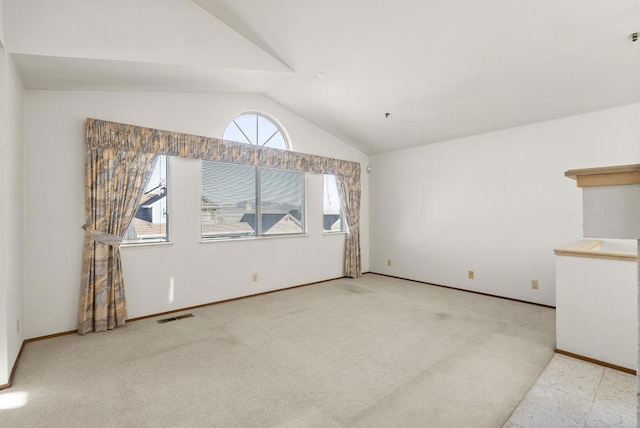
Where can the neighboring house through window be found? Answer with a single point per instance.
(150, 222)
(331, 209)
(239, 200)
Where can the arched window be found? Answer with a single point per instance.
(257, 129)
(245, 201)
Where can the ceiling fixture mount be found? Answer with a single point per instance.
(634, 37)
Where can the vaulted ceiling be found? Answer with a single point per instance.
(441, 69)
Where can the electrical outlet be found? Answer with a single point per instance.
(255, 277)
(471, 274)
(534, 284)
(389, 262)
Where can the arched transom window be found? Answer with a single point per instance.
(257, 129)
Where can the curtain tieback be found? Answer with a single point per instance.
(103, 237)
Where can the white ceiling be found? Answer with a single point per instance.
(441, 69)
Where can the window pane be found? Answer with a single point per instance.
(266, 129)
(232, 133)
(228, 200)
(282, 201)
(332, 214)
(248, 124)
(149, 223)
(277, 142)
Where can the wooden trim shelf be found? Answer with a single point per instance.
(586, 248)
(606, 176)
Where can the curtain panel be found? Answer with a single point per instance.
(114, 184)
(119, 161)
(349, 191)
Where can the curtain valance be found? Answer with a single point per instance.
(102, 134)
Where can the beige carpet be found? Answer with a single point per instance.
(371, 352)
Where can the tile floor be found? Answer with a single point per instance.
(575, 393)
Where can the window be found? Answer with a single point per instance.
(241, 201)
(332, 211)
(281, 201)
(256, 129)
(150, 221)
(228, 200)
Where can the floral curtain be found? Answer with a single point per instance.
(114, 185)
(120, 159)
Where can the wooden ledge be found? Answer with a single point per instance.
(586, 248)
(606, 176)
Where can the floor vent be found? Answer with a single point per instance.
(179, 317)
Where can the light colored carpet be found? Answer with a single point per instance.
(369, 352)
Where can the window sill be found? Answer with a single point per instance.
(147, 244)
(255, 238)
(334, 233)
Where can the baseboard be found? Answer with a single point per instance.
(594, 361)
(65, 333)
(173, 311)
(462, 289)
(51, 336)
(13, 369)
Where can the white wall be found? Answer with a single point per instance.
(597, 309)
(611, 211)
(494, 203)
(4, 241)
(11, 215)
(2, 24)
(201, 273)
